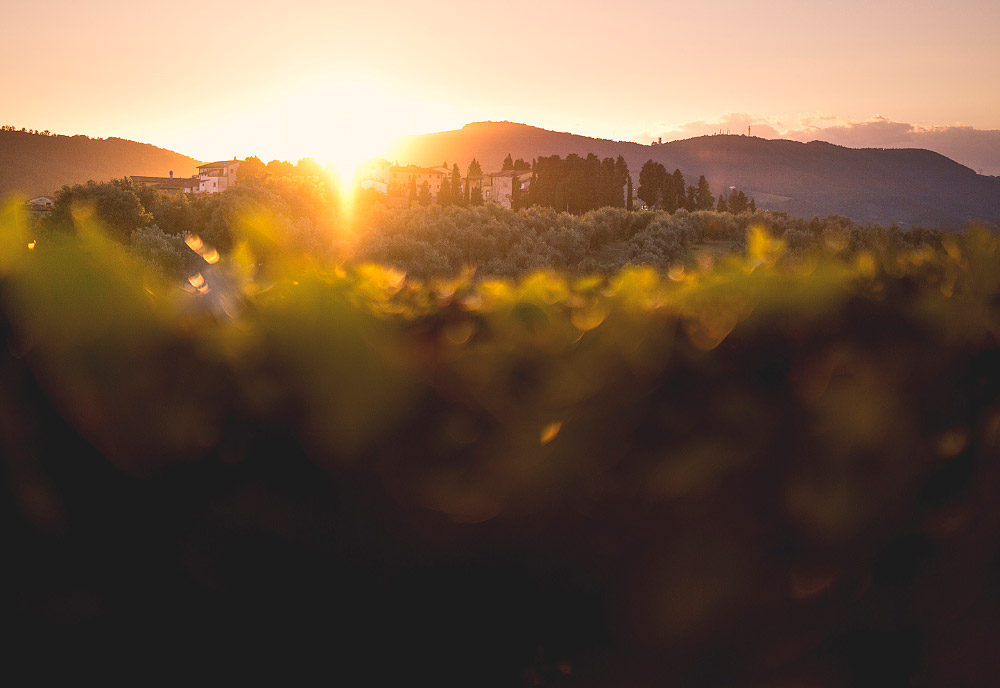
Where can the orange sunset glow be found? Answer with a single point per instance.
(308, 77)
(514, 344)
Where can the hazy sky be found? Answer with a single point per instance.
(294, 78)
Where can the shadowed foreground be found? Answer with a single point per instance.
(765, 474)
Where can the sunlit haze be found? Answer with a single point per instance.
(548, 343)
(336, 81)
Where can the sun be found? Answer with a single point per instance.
(340, 118)
(363, 120)
(358, 117)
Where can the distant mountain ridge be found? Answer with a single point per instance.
(38, 164)
(908, 186)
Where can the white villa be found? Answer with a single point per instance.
(40, 205)
(395, 180)
(213, 177)
(498, 187)
(170, 184)
(387, 178)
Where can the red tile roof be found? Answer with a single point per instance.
(220, 163)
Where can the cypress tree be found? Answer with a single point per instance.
(678, 188)
(651, 182)
(474, 171)
(444, 193)
(533, 189)
(669, 194)
(456, 184)
(704, 199)
(621, 178)
(424, 195)
(737, 202)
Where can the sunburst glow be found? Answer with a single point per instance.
(341, 120)
(358, 118)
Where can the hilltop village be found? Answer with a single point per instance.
(403, 184)
(575, 184)
(400, 184)
(212, 177)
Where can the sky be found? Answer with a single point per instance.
(337, 80)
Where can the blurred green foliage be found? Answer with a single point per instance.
(766, 466)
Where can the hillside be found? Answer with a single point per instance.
(35, 164)
(907, 186)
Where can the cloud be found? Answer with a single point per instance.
(733, 122)
(975, 148)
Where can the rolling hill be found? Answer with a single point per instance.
(908, 186)
(35, 164)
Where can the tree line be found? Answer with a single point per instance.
(578, 185)
(573, 184)
(23, 130)
(272, 213)
(283, 215)
(660, 189)
(434, 242)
